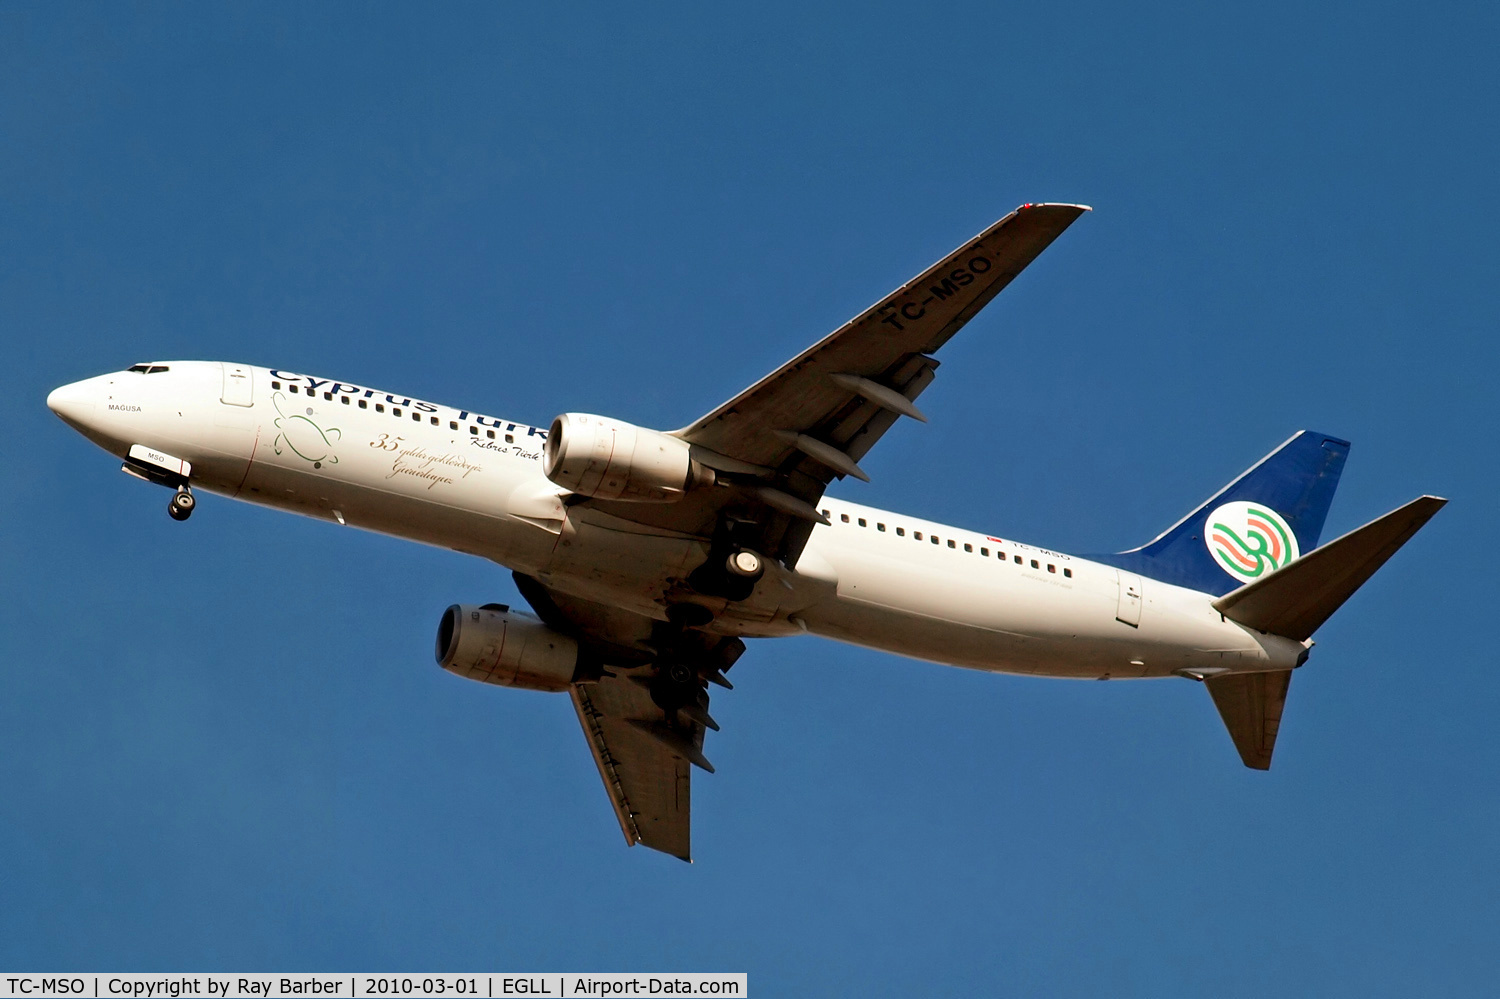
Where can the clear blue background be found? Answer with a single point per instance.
(224, 744)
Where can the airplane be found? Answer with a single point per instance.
(649, 557)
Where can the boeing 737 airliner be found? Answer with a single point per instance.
(648, 557)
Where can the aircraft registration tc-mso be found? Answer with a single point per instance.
(648, 557)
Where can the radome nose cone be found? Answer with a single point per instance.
(74, 403)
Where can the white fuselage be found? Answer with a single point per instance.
(473, 483)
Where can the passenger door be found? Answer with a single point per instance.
(238, 385)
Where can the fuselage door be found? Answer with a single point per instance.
(238, 385)
(1129, 610)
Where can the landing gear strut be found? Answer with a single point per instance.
(181, 507)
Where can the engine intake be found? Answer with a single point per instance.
(607, 459)
(493, 644)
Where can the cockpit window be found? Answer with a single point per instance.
(149, 369)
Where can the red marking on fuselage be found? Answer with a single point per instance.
(253, 445)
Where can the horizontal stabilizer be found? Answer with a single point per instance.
(1296, 599)
(1250, 704)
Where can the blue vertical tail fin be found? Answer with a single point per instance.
(1259, 522)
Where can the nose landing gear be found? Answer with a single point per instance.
(181, 507)
(162, 469)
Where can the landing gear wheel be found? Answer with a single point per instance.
(181, 507)
(745, 564)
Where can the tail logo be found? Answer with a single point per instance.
(1249, 540)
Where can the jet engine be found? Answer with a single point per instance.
(607, 459)
(494, 644)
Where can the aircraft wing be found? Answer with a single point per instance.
(782, 440)
(648, 784)
(818, 393)
(775, 447)
(644, 711)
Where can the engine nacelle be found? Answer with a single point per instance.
(493, 644)
(606, 459)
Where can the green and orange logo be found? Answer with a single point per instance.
(1249, 539)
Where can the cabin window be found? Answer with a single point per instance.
(490, 434)
(880, 527)
(935, 539)
(396, 411)
(364, 404)
(844, 517)
(1068, 573)
(511, 440)
(862, 522)
(452, 424)
(327, 396)
(474, 430)
(917, 535)
(1051, 567)
(434, 421)
(416, 417)
(985, 552)
(951, 544)
(969, 548)
(1018, 560)
(825, 512)
(275, 386)
(1034, 565)
(292, 389)
(380, 407)
(344, 399)
(900, 532)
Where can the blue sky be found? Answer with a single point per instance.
(224, 744)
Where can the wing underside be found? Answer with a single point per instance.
(649, 786)
(643, 704)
